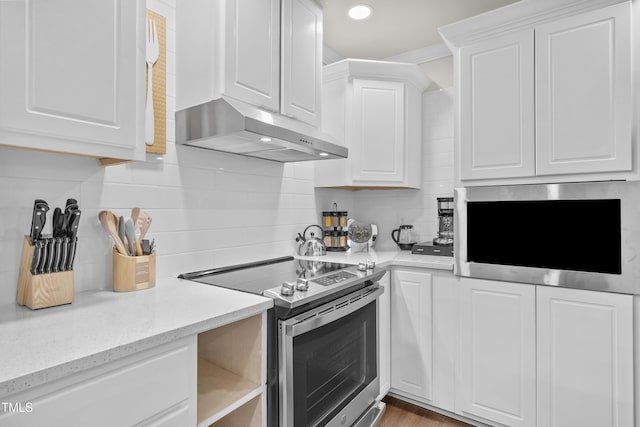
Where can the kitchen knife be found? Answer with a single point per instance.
(65, 253)
(57, 223)
(38, 219)
(72, 253)
(74, 221)
(72, 231)
(68, 209)
(37, 255)
(50, 255)
(42, 244)
(57, 254)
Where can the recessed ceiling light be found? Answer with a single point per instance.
(360, 11)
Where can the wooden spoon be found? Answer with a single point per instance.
(135, 212)
(109, 220)
(146, 223)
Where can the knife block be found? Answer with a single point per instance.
(42, 290)
(133, 273)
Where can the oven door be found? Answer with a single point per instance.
(329, 361)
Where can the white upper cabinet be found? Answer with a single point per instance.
(547, 99)
(376, 109)
(72, 76)
(583, 86)
(301, 60)
(252, 52)
(267, 53)
(496, 108)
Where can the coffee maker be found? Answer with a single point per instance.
(443, 243)
(445, 222)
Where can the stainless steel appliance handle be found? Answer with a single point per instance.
(332, 311)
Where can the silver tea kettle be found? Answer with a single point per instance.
(311, 246)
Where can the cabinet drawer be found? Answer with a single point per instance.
(124, 396)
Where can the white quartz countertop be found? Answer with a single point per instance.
(39, 346)
(394, 258)
(101, 326)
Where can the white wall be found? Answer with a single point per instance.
(208, 208)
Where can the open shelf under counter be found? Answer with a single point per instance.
(220, 392)
(232, 373)
(250, 414)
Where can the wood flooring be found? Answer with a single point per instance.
(403, 414)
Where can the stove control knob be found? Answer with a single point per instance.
(287, 289)
(362, 266)
(371, 264)
(302, 284)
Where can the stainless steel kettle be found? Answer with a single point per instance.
(311, 246)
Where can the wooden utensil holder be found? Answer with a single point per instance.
(42, 290)
(133, 273)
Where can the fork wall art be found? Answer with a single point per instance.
(156, 100)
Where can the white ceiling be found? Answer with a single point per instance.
(396, 26)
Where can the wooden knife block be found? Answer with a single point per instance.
(133, 273)
(42, 290)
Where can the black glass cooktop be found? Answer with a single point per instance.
(258, 277)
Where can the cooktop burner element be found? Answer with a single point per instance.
(290, 282)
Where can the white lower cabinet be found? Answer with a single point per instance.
(153, 388)
(511, 354)
(423, 336)
(384, 328)
(411, 333)
(585, 358)
(497, 367)
(216, 378)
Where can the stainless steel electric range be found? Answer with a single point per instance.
(322, 338)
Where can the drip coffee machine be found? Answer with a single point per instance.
(445, 222)
(443, 244)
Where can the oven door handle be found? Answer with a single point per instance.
(332, 311)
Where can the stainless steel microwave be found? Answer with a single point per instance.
(578, 235)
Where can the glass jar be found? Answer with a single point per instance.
(343, 239)
(335, 239)
(328, 239)
(343, 218)
(335, 219)
(327, 220)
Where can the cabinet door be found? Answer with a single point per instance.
(72, 75)
(153, 388)
(411, 334)
(583, 89)
(378, 140)
(301, 60)
(497, 108)
(497, 352)
(252, 52)
(585, 358)
(384, 336)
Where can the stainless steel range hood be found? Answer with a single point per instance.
(226, 124)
